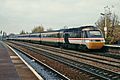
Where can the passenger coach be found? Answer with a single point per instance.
(84, 37)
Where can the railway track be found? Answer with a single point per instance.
(42, 69)
(92, 57)
(109, 53)
(70, 72)
(97, 58)
(103, 67)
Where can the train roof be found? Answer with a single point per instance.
(83, 28)
(34, 33)
(78, 28)
(51, 31)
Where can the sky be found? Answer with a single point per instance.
(18, 15)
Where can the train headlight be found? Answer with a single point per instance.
(89, 41)
(95, 41)
(102, 40)
(92, 40)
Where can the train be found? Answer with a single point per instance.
(80, 38)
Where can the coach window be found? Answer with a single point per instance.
(84, 34)
(58, 35)
(77, 34)
(71, 34)
(40, 35)
(74, 34)
(61, 35)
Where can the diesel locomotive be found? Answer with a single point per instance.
(84, 37)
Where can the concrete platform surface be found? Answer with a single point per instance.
(12, 67)
(7, 68)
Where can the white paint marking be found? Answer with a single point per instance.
(36, 74)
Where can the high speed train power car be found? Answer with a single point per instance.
(84, 37)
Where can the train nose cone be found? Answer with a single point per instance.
(95, 45)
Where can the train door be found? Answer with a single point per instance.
(40, 38)
(84, 36)
(66, 38)
(61, 38)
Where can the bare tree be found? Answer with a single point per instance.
(22, 32)
(38, 29)
(113, 27)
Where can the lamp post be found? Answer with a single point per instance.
(105, 27)
(105, 14)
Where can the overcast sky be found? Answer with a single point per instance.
(17, 15)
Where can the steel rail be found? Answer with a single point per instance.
(91, 69)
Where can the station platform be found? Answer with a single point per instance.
(11, 67)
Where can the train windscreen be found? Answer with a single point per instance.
(95, 34)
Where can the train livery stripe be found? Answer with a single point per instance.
(63, 38)
(73, 38)
(86, 38)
